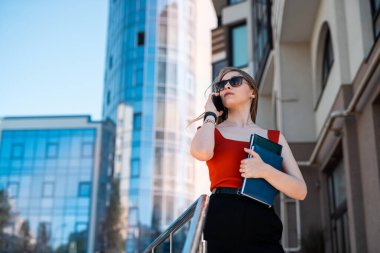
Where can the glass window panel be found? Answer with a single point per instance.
(137, 121)
(84, 189)
(139, 77)
(52, 150)
(161, 72)
(47, 203)
(75, 147)
(87, 149)
(17, 151)
(135, 167)
(375, 4)
(234, 1)
(13, 189)
(40, 147)
(140, 38)
(328, 59)
(84, 203)
(169, 209)
(80, 226)
(339, 184)
(160, 114)
(48, 189)
(239, 46)
(133, 216)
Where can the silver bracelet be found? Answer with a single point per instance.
(209, 121)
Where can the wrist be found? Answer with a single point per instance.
(210, 117)
(210, 114)
(267, 171)
(209, 120)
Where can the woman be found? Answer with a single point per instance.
(235, 223)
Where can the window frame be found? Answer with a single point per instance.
(259, 31)
(375, 19)
(231, 44)
(327, 47)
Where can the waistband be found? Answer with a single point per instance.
(225, 190)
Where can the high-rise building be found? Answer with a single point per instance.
(317, 67)
(149, 94)
(55, 170)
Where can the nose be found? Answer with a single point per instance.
(227, 85)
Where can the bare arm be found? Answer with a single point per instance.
(202, 145)
(291, 182)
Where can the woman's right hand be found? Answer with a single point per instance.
(210, 107)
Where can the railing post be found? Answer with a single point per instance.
(171, 242)
(196, 213)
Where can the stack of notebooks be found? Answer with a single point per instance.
(258, 188)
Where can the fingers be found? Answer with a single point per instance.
(250, 151)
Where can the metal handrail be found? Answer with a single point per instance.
(197, 211)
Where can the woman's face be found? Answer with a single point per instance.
(234, 96)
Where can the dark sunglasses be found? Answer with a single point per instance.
(235, 81)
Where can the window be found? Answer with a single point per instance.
(135, 167)
(239, 49)
(328, 59)
(48, 189)
(110, 62)
(140, 38)
(13, 189)
(375, 9)
(84, 189)
(108, 97)
(44, 230)
(80, 226)
(87, 149)
(17, 151)
(161, 72)
(52, 150)
(137, 121)
(262, 36)
(234, 1)
(217, 66)
(133, 217)
(139, 77)
(336, 185)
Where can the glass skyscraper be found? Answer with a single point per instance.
(150, 69)
(55, 171)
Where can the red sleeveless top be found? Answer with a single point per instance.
(224, 165)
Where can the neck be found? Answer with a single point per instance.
(240, 117)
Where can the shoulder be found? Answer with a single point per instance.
(282, 140)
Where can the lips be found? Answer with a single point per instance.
(228, 93)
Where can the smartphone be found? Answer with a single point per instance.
(217, 100)
(218, 103)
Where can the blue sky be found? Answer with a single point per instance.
(52, 55)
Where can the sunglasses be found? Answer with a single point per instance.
(235, 81)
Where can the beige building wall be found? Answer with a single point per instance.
(333, 128)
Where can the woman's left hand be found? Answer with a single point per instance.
(253, 167)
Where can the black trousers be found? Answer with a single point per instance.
(237, 224)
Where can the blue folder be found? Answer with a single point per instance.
(258, 188)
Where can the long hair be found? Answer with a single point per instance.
(251, 82)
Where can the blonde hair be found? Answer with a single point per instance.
(251, 82)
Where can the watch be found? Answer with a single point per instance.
(209, 113)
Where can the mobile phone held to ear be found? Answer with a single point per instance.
(218, 103)
(217, 100)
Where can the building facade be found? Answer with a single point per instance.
(54, 170)
(149, 94)
(317, 67)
